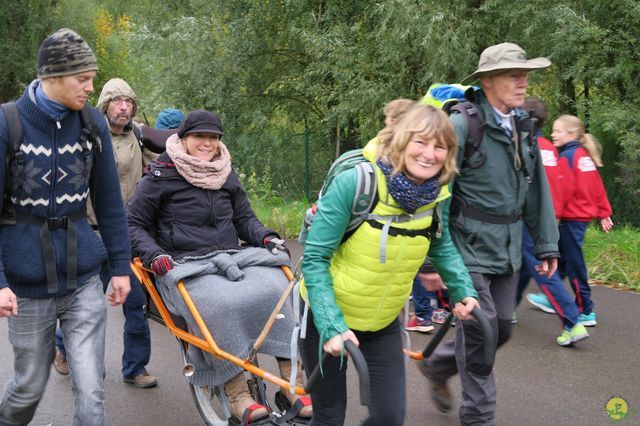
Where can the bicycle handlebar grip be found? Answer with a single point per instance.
(361, 367)
(363, 372)
(487, 331)
(489, 337)
(314, 377)
(435, 340)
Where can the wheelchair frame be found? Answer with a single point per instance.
(209, 345)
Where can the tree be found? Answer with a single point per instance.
(24, 24)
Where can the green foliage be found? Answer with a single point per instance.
(270, 66)
(23, 26)
(613, 258)
(282, 216)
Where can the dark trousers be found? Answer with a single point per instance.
(422, 299)
(464, 354)
(383, 352)
(552, 287)
(136, 335)
(575, 268)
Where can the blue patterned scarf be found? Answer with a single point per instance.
(408, 194)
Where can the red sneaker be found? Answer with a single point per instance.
(419, 324)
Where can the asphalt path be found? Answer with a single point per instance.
(539, 383)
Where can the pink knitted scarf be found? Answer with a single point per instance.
(203, 174)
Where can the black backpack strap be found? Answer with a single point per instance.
(475, 125)
(137, 132)
(14, 164)
(14, 125)
(90, 129)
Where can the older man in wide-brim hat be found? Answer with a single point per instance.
(502, 187)
(503, 70)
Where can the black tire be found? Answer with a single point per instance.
(211, 401)
(212, 404)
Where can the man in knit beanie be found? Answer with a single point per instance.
(50, 258)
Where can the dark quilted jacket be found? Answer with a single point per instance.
(187, 220)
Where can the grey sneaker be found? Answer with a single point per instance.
(142, 380)
(440, 394)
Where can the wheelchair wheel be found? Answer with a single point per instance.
(212, 404)
(211, 401)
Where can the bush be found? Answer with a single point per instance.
(613, 258)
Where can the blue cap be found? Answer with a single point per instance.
(169, 118)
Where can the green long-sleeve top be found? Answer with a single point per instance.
(329, 225)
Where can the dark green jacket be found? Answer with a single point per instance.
(499, 187)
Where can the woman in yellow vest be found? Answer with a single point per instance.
(356, 286)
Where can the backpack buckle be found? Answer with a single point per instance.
(57, 222)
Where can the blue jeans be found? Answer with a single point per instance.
(552, 287)
(422, 299)
(571, 241)
(83, 317)
(136, 335)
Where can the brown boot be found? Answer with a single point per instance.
(240, 400)
(285, 373)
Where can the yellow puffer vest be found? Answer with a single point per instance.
(370, 290)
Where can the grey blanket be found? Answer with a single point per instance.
(235, 292)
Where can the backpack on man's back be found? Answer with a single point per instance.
(459, 98)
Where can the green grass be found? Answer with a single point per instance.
(283, 217)
(612, 259)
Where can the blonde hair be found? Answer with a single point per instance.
(397, 108)
(573, 124)
(428, 122)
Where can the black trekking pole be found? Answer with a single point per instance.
(361, 366)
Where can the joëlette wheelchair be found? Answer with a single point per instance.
(211, 401)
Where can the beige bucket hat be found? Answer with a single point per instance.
(505, 56)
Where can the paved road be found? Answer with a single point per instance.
(539, 383)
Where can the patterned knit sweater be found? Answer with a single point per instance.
(56, 184)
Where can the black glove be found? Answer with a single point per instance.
(273, 244)
(162, 264)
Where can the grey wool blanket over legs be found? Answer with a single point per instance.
(235, 292)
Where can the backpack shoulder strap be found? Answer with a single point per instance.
(89, 128)
(475, 132)
(14, 127)
(366, 188)
(137, 132)
(14, 161)
(365, 198)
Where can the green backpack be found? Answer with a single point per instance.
(366, 191)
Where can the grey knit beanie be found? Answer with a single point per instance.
(65, 53)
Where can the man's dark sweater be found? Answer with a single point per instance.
(56, 184)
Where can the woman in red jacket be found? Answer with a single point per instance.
(587, 200)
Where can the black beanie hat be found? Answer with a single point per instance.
(65, 53)
(200, 121)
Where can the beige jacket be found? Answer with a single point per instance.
(130, 158)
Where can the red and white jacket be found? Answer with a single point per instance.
(586, 198)
(558, 172)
